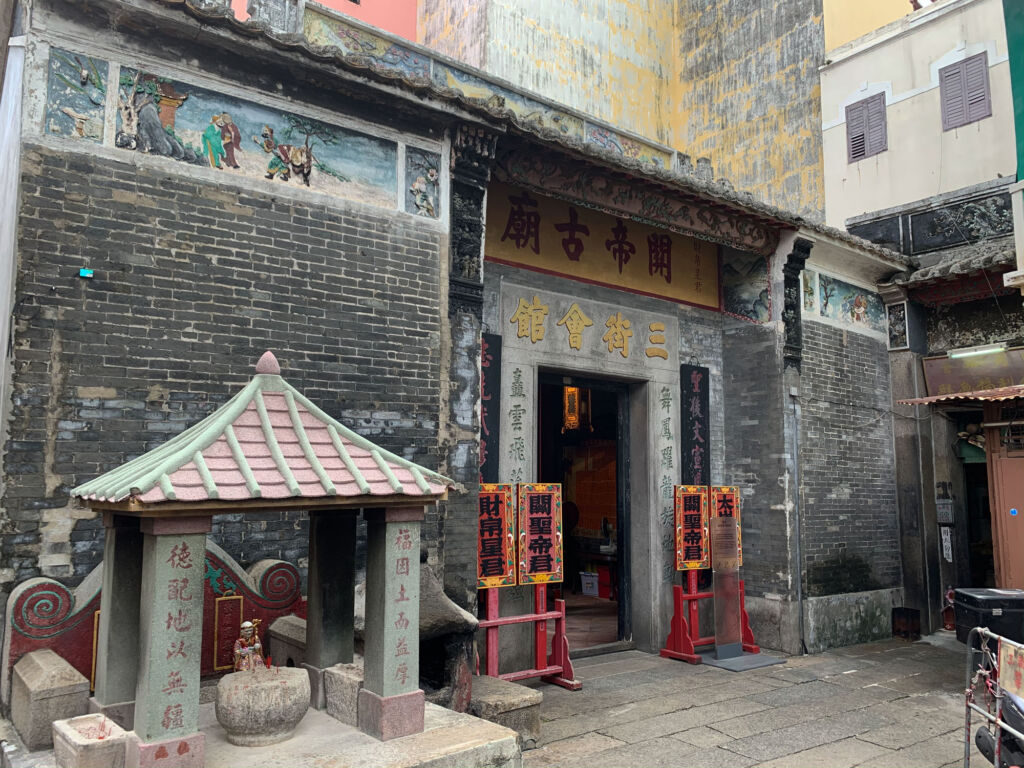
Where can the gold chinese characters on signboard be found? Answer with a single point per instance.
(527, 230)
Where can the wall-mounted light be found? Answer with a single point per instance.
(982, 349)
(576, 409)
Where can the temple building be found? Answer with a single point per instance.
(479, 279)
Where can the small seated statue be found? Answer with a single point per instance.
(248, 650)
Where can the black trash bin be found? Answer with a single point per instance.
(1001, 610)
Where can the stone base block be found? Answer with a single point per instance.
(342, 684)
(509, 704)
(122, 713)
(390, 717)
(89, 741)
(45, 688)
(182, 752)
(317, 694)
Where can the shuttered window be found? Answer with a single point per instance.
(866, 132)
(964, 92)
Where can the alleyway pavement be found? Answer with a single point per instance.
(879, 705)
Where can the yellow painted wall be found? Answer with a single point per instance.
(846, 20)
(732, 80)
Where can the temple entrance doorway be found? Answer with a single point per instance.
(582, 444)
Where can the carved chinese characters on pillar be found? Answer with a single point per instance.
(496, 543)
(692, 542)
(694, 423)
(490, 412)
(404, 543)
(540, 533)
(517, 445)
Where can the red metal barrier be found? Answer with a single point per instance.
(684, 631)
(556, 668)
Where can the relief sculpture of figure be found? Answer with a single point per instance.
(231, 138)
(248, 650)
(213, 146)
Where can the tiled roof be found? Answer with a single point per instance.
(982, 395)
(267, 442)
(963, 261)
(218, 13)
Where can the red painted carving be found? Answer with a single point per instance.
(43, 613)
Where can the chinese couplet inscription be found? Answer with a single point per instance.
(692, 544)
(496, 542)
(694, 424)
(540, 533)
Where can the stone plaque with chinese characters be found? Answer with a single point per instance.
(725, 502)
(540, 533)
(527, 230)
(692, 535)
(496, 537)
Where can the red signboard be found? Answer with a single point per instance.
(692, 527)
(496, 537)
(540, 533)
(947, 376)
(725, 502)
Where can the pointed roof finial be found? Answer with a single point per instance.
(268, 364)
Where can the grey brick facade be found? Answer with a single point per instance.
(192, 282)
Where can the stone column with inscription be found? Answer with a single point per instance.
(391, 702)
(117, 662)
(170, 641)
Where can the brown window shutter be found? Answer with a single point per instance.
(964, 92)
(856, 131)
(979, 97)
(877, 136)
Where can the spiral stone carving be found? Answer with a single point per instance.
(41, 609)
(280, 583)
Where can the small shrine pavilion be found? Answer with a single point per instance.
(267, 448)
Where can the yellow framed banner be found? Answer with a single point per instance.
(692, 538)
(540, 533)
(496, 537)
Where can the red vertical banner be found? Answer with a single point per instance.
(496, 537)
(725, 502)
(692, 547)
(540, 533)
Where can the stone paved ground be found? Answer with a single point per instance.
(878, 705)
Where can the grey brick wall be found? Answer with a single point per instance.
(847, 483)
(754, 450)
(192, 283)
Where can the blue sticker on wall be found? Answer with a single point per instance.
(1013, 511)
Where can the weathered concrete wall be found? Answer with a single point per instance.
(746, 93)
(850, 618)
(846, 21)
(612, 59)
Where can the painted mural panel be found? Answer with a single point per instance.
(627, 147)
(746, 290)
(809, 283)
(160, 116)
(76, 94)
(850, 304)
(422, 179)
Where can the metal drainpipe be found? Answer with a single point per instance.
(794, 395)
